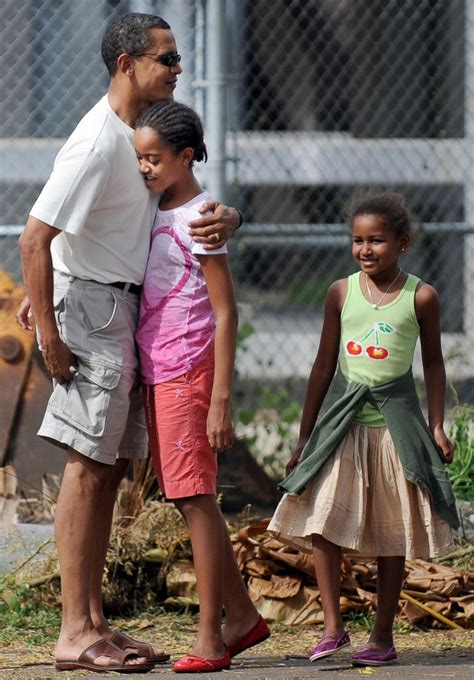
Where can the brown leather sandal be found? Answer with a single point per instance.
(118, 659)
(124, 641)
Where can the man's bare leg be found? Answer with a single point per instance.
(100, 552)
(79, 505)
(103, 528)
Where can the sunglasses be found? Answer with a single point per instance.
(170, 59)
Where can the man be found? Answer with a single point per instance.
(84, 251)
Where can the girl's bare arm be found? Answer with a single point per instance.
(427, 310)
(324, 366)
(221, 294)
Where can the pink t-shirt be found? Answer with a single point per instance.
(176, 325)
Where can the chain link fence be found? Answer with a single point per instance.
(322, 97)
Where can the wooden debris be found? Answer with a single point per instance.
(431, 610)
(181, 581)
(282, 583)
(150, 560)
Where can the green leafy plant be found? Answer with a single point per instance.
(22, 610)
(245, 331)
(270, 428)
(244, 415)
(268, 418)
(359, 618)
(283, 428)
(461, 471)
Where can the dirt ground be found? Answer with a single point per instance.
(433, 654)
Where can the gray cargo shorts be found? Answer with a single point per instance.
(98, 413)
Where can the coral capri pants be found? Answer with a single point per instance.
(176, 415)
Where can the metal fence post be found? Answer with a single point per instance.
(215, 116)
(469, 185)
(180, 16)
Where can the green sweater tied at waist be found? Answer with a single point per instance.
(421, 458)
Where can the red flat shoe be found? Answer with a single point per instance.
(255, 635)
(198, 664)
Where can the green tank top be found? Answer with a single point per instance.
(377, 345)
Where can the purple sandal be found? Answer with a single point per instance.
(371, 657)
(329, 645)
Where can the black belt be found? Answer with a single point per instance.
(131, 287)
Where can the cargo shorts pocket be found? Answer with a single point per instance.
(98, 312)
(84, 401)
(59, 312)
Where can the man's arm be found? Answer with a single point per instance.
(35, 249)
(222, 222)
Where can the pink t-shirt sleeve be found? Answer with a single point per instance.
(198, 249)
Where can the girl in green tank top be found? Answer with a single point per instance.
(372, 321)
(377, 340)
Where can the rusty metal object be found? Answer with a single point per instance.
(31, 455)
(15, 352)
(25, 388)
(11, 348)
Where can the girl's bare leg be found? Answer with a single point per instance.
(390, 575)
(327, 562)
(241, 613)
(206, 529)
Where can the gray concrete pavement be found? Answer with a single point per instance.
(457, 664)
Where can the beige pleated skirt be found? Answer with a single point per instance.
(361, 501)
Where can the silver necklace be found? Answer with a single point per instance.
(376, 305)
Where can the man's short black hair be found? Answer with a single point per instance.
(129, 33)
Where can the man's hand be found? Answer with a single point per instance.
(58, 359)
(24, 315)
(216, 228)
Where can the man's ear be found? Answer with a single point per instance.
(125, 64)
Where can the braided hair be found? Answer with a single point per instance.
(177, 125)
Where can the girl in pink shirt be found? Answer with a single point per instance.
(187, 338)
